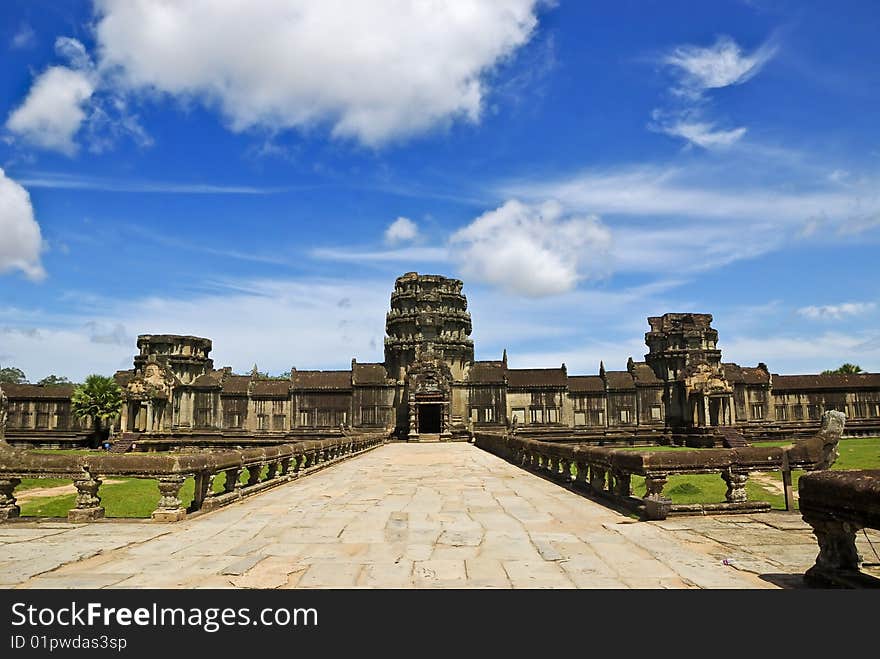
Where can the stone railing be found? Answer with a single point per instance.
(266, 467)
(838, 504)
(608, 471)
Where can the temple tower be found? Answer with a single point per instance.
(683, 352)
(427, 348)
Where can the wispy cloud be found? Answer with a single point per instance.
(371, 254)
(837, 311)
(57, 180)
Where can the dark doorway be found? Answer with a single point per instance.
(429, 419)
(714, 411)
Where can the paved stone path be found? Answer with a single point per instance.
(425, 515)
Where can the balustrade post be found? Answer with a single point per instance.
(657, 506)
(203, 482)
(272, 471)
(8, 508)
(582, 473)
(622, 483)
(231, 483)
(553, 466)
(565, 470)
(736, 485)
(837, 549)
(212, 477)
(597, 478)
(88, 503)
(169, 507)
(254, 474)
(285, 466)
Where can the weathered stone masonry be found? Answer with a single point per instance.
(431, 387)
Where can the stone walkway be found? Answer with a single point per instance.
(403, 516)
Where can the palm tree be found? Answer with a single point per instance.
(99, 399)
(844, 369)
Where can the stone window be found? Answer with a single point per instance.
(780, 413)
(279, 422)
(537, 415)
(488, 414)
(305, 417)
(552, 415)
(234, 412)
(597, 417)
(62, 415)
(797, 412)
(625, 415)
(475, 414)
(814, 412)
(757, 410)
(860, 410)
(262, 422)
(656, 413)
(42, 415)
(520, 414)
(580, 418)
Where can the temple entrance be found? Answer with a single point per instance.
(430, 416)
(714, 411)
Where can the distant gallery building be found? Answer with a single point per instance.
(430, 387)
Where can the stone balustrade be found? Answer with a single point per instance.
(266, 466)
(839, 504)
(608, 471)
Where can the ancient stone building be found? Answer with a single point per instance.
(431, 387)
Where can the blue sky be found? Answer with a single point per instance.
(259, 173)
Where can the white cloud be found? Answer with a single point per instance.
(720, 65)
(837, 311)
(373, 71)
(25, 37)
(370, 255)
(532, 250)
(402, 230)
(697, 70)
(54, 109)
(701, 133)
(21, 241)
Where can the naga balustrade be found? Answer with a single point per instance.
(266, 467)
(608, 471)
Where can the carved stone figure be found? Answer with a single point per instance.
(830, 432)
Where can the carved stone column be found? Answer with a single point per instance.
(552, 465)
(272, 471)
(254, 474)
(169, 508)
(583, 471)
(736, 485)
(565, 470)
(88, 503)
(231, 483)
(622, 484)
(413, 421)
(657, 506)
(837, 549)
(8, 507)
(654, 484)
(597, 478)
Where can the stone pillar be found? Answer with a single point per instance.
(231, 483)
(582, 473)
(837, 549)
(654, 484)
(88, 503)
(565, 470)
(736, 485)
(254, 474)
(413, 421)
(597, 478)
(657, 506)
(8, 507)
(445, 422)
(622, 484)
(169, 508)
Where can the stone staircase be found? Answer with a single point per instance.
(123, 444)
(733, 438)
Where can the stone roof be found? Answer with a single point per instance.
(236, 385)
(585, 384)
(745, 374)
(210, 379)
(536, 377)
(310, 380)
(274, 388)
(369, 373)
(619, 380)
(832, 381)
(644, 374)
(123, 377)
(488, 372)
(39, 391)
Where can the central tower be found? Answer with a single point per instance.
(427, 348)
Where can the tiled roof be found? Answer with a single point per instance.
(536, 377)
(619, 380)
(236, 384)
(209, 379)
(38, 391)
(834, 381)
(370, 373)
(745, 374)
(486, 373)
(585, 384)
(309, 380)
(644, 374)
(276, 388)
(123, 377)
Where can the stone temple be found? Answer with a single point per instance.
(430, 387)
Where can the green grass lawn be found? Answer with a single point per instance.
(130, 497)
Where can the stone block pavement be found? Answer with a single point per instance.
(413, 516)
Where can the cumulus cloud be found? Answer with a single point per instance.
(53, 110)
(21, 241)
(373, 71)
(402, 230)
(836, 311)
(532, 250)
